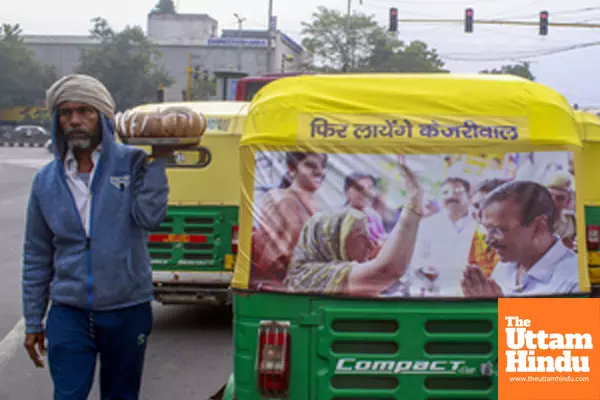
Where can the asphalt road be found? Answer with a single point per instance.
(190, 351)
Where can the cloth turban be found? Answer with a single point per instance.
(81, 89)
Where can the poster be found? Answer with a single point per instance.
(443, 225)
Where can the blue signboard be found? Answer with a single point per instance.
(232, 83)
(237, 42)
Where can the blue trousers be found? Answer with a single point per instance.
(77, 337)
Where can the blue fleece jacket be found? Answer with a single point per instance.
(111, 269)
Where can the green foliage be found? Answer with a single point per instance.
(360, 44)
(22, 79)
(164, 7)
(126, 63)
(203, 89)
(522, 69)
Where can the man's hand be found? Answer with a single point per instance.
(475, 284)
(31, 341)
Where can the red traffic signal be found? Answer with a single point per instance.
(393, 19)
(469, 14)
(544, 17)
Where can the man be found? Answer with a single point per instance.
(85, 247)
(519, 219)
(484, 188)
(565, 227)
(443, 243)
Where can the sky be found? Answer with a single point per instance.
(572, 73)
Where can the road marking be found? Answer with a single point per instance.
(11, 343)
(27, 162)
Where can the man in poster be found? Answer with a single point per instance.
(519, 219)
(443, 243)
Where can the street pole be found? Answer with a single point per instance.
(240, 22)
(347, 61)
(270, 39)
(189, 78)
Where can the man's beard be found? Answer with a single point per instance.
(81, 139)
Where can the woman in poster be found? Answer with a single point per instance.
(334, 251)
(360, 192)
(282, 215)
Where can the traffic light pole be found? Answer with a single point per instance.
(502, 22)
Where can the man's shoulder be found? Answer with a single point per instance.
(45, 173)
(127, 153)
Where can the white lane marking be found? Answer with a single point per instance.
(22, 199)
(27, 162)
(11, 343)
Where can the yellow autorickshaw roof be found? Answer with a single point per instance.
(590, 126)
(284, 108)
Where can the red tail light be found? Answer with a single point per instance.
(273, 361)
(234, 239)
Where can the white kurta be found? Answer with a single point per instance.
(445, 246)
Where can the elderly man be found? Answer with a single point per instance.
(565, 226)
(518, 218)
(85, 249)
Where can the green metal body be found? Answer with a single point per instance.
(368, 335)
(592, 217)
(193, 271)
(214, 222)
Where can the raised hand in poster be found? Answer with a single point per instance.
(414, 188)
(475, 284)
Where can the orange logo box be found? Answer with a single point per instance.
(548, 349)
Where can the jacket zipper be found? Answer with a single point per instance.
(88, 238)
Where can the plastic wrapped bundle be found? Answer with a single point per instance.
(173, 125)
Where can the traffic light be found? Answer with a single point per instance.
(544, 23)
(160, 96)
(196, 72)
(393, 19)
(469, 20)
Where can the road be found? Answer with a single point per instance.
(190, 351)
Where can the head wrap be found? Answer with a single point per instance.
(82, 89)
(320, 262)
(559, 180)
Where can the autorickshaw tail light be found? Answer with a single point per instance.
(273, 361)
(234, 239)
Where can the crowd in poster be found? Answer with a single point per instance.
(493, 225)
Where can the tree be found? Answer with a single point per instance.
(203, 89)
(359, 44)
(522, 69)
(164, 7)
(126, 62)
(23, 80)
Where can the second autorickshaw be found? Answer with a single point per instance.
(193, 251)
(590, 130)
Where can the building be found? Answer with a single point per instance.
(180, 37)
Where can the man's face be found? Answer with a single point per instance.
(504, 231)
(560, 197)
(79, 123)
(361, 194)
(455, 197)
(476, 202)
